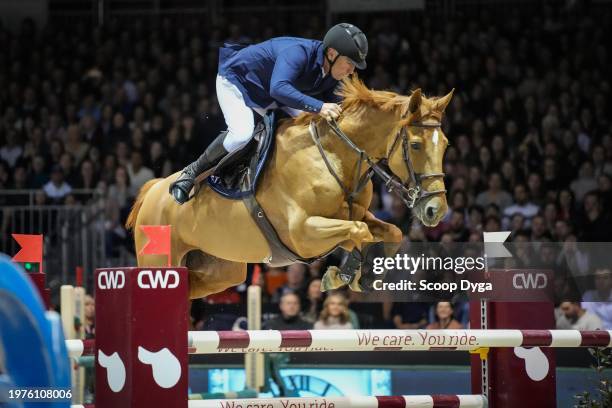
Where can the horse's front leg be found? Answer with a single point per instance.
(385, 234)
(319, 234)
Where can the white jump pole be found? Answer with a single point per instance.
(412, 401)
(275, 341)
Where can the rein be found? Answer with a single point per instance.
(409, 194)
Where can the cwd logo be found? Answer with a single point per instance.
(529, 281)
(148, 279)
(111, 280)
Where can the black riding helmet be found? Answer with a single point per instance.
(349, 41)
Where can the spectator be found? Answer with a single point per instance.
(11, 151)
(521, 205)
(595, 226)
(599, 300)
(495, 194)
(335, 313)
(38, 176)
(295, 281)
(139, 174)
(585, 182)
(314, 300)
(75, 145)
(289, 318)
(57, 189)
(89, 325)
(409, 315)
(574, 317)
(444, 317)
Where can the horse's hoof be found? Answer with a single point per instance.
(355, 286)
(331, 280)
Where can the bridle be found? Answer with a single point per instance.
(410, 194)
(416, 192)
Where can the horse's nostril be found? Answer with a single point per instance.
(429, 212)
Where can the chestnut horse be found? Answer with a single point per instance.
(303, 190)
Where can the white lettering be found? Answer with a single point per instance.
(148, 279)
(111, 280)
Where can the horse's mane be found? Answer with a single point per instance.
(356, 94)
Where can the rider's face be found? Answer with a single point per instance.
(342, 68)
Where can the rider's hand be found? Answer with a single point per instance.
(330, 111)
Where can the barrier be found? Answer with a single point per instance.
(404, 401)
(304, 341)
(141, 354)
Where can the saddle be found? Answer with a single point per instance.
(236, 178)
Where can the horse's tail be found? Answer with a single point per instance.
(131, 219)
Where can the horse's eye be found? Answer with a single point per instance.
(415, 145)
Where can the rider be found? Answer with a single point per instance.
(293, 74)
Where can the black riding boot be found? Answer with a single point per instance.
(184, 183)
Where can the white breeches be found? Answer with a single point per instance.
(238, 116)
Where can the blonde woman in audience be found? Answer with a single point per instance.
(335, 313)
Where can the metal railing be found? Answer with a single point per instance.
(74, 235)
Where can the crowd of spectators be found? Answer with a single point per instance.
(108, 108)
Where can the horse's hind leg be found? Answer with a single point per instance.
(209, 274)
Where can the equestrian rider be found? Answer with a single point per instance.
(293, 74)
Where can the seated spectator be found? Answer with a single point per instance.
(574, 317)
(444, 318)
(409, 315)
(585, 182)
(139, 174)
(38, 177)
(295, 281)
(522, 205)
(11, 151)
(595, 225)
(314, 300)
(335, 314)
(495, 194)
(289, 318)
(89, 325)
(599, 300)
(56, 189)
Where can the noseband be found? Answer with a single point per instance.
(410, 194)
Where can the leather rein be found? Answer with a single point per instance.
(410, 194)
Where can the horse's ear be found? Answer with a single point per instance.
(443, 102)
(415, 101)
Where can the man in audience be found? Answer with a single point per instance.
(574, 317)
(599, 300)
(289, 319)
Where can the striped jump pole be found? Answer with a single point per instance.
(272, 341)
(290, 341)
(404, 401)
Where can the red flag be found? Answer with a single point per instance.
(256, 274)
(31, 249)
(159, 240)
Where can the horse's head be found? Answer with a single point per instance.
(415, 153)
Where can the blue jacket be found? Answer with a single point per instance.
(285, 70)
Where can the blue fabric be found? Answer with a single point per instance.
(33, 343)
(285, 70)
